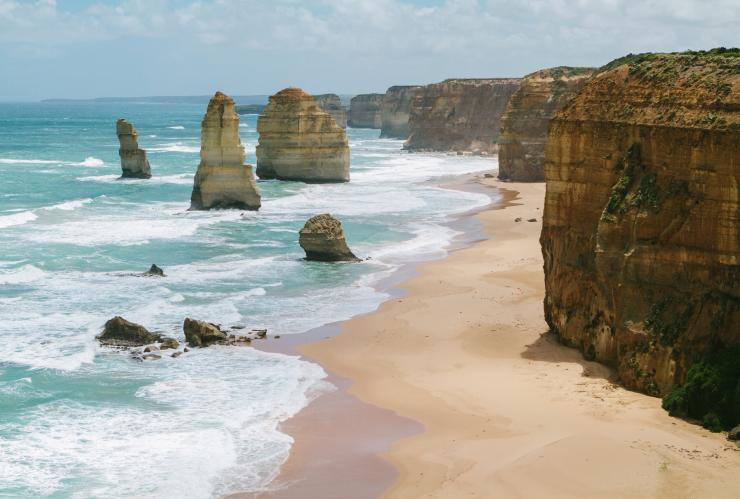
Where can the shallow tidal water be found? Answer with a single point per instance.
(78, 420)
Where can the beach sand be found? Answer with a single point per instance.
(506, 411)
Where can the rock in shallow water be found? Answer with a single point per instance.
(154, 271)
(322, 238)
(202, 334)
(122, 333)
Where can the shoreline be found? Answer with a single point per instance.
(500, 401)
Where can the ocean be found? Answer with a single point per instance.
(78, 420)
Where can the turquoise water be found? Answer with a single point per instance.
(78, 420)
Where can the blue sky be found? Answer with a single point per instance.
(91, 48)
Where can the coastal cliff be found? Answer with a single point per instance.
(521, 154)
(332, 104)
(133, 159)
(365, 111)
(395, 111)
(223, 180)
(459, 115)
(641, 229)
(300, 141)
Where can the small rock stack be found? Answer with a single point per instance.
(322, 238)
(300, 141)
(223, 180)
(133, 160)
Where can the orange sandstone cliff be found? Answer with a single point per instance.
(521, 154)
(641, 232)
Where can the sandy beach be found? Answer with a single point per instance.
(505, 410)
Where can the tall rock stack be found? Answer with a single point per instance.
(299, 141)
(459, 115)
(365, 111)
(133, 160)
(332, 104)
(223, 180)
(394, 114)
(521, 155)
(641, 229)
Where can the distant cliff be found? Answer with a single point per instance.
(641, 233)
(395, 112)
(459, 115)
(365, 111)
(332, 104)
(249, 108)
(521, 154)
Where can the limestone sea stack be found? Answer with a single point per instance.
(133, 159)
(300, 141)
(322, 238)
(394, 115)
(332, 104)
(459, 115)
(521, 154)
(641, 229)
(365, 111)
(223, 180)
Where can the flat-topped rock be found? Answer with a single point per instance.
(395, 111)
(300, 141)
(122, 333)
(332, 104)
(322, 238)
(521, 155)
(223, 180)
(365, 111)
(133, 159)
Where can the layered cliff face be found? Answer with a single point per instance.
(133, 160)
(641, 233)
(222, 179)
(332, 104)
(459, 115)
(395, 112)
(521, 149)
(365, 111)
(299, 141)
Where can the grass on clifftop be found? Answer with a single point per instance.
(711, 393)
(636, 59)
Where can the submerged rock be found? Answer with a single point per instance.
(322, 238)
(122, 333)
(168, 344)
(133, 159)
(154, 271)
(365, 111)
(202, 334)
(300, 141)
(223, 180)
(332, 104)
(395, 112)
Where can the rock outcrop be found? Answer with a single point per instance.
(641, 233)
(459, 115)
(365, 111)
(223, 180)
(202, 334)
(300, 141)
(395, 112)
(332, 104)
(322, 238)
(154, 271)
(122, 333)
(521, 154)
(133, 159)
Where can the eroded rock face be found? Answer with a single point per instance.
(322, 238)
(202, 334)
(641, 233)
(223, 180)
(459, 115)
(521, 154)
(133, 159)
(122, 333)
(395, 112)
(365, 111)
(300, 141)
(332, 104)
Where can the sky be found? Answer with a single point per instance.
(95, 48)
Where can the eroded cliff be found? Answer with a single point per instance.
(521, 150)
(332, 104)
(459, 115)
(394, 112)
(641, 233)
(365, 111)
